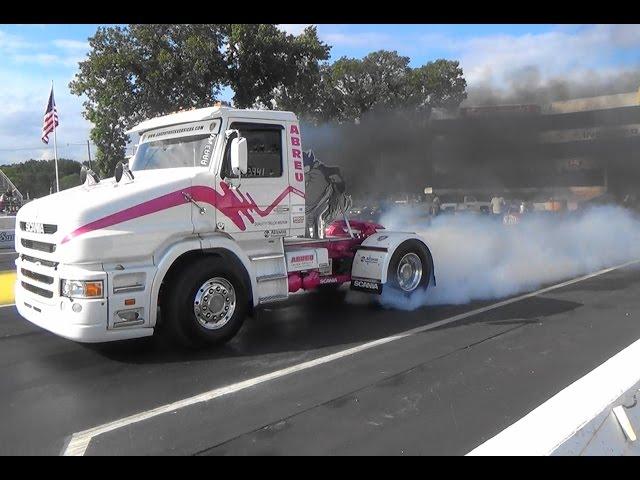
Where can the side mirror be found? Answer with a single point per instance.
(122, 169)
(88, 176)
(239, 156)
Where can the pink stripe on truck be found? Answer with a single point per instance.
(231, 203)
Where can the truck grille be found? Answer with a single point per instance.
(42, 246)
(37, 290)
(37, 276)
(45, 263)
(49, 229)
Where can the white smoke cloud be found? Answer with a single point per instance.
(479, 258)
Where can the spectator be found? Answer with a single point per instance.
(435, 206)
(497, 204)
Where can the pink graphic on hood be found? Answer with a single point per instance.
(232, 203)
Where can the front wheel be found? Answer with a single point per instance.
(410, 268)
(206, 303)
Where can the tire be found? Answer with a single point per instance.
(411, 252)
(188, 300)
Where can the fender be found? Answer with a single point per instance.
(205, 243)
(162, 267)
(379, 248)
(219, 241)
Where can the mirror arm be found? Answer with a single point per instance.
(229, 181)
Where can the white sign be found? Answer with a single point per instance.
(7, 238)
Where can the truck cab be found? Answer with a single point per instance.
(205, 223)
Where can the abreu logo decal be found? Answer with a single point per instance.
(296, 153)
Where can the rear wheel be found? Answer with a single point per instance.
(206, 303)
(410, 268)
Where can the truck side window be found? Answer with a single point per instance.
(264, 145)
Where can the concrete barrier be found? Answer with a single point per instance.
(7, 232)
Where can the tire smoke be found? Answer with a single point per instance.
(478, 258)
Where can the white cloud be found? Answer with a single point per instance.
(38, 58)
(571, 52)
(71, 44)
(365, 39)
(293, 28)
(12, 42)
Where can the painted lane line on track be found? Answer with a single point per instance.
(8, 305)
(545, 428)
(79, 441)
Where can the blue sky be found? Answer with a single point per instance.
(31, 56)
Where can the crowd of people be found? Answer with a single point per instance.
(10, 202)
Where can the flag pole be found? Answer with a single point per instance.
(55, 147)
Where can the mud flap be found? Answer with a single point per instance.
(367, 285)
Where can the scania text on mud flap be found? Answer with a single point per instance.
(218, 212)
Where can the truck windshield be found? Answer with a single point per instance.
(192, 151)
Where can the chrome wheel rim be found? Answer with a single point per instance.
(409, 272)
(214, 303)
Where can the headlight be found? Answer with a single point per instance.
(81, 288)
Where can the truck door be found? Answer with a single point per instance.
(257, 205)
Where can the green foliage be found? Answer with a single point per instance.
(143, 71)
(271, 69)
(38, 177)
(383, 80)
(437, 84)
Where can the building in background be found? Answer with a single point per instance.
(572, 150)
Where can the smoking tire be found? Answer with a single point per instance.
(410, 268)
(206, 303)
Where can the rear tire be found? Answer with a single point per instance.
(410, 268)
(206, 303)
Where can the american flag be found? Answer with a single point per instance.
(50, 118)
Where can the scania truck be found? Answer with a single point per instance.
(207, 222)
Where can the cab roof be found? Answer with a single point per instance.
(199, 114)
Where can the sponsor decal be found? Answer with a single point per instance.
(370, 286)
(302, 258)
(326, 280)
(368, 259)
(197, 128)
(208, 148)
(275, 233)
(382, 237)
(270, 223)
(299, 219)
(175, 131)
(33, 227)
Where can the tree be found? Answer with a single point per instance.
(437, 84)
(353, 87)
(142, 71)
(269, 68)
(383, 80)
(38, 177)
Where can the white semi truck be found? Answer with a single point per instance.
(206, 223)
